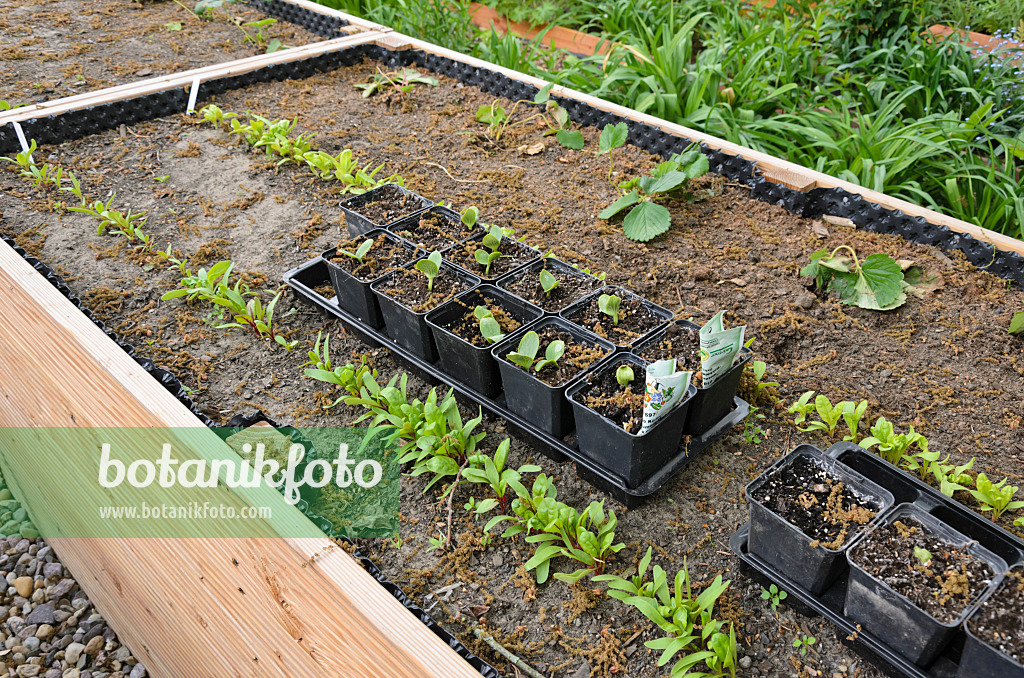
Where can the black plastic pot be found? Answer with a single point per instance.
(359, 225)
(474, 365)
(784, 546)
(408, 327)
(632, 457)
(886, 614)
(492, 279)
(542, 405)
(411, 223)
(712, 403)
(354, 294)
(658, 311)
(981, 660)
(534, 268)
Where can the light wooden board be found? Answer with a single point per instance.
(191, 608)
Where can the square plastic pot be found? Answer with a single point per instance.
(407, 327)
(411, 223)
(632, 457)
(712, 403)
(354, 294)
(534, 268)
(981, 660)
(784, 546)
(533, 254)
(658, 311)
(473, 365)
(542, 405)
(892, 617)
(359, 225)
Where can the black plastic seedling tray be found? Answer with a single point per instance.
(829, 604)
(313, 274)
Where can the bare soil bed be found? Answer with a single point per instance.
(944, 363)
(51, 49)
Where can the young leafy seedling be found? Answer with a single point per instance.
(624, 375)
(23, 159)
(609, 305)
(877, 283)
(489, 327)
(612, 137)
(852, 415)
(360, 251)
(470, 216)
(490, 252)
(924, 556)
(552, 354)
(527, 351)
(548, 282)
(995, 497)
(403, 81)
(430, 267)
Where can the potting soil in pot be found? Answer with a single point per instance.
(384, 256)
(816, 502)
(434, 232)
(1000, 623)
(571, 288)
(939, 578)
(681, 343)
(634, 321)
(390, 204)
(409, 288)
(576, 359)
(468, 326)
(622, 404)
(513, 254)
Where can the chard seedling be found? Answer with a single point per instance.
(489, 327)
(43, 176)
(624, 375)
(430, 268)
(950, 477)
(360, 251)
(491, 250)
(548, 282)
(995, 498)
(801, 408)
(609, 305)
(646, 219)
(586, 537)
(23, 159)
(126, 224)
(213, 114)
(892, 447)
(492, 472)
(852, 415)
(829, 415)
(345, 168)
(527, 351)
(402, 81)
(320, 360)
(612, 137)
(76, 188)
(758, 368)
(924, 556)
(552, 354)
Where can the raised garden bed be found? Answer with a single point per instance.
(759, 250)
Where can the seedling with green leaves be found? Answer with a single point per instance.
(45, 176)
(892, 447)
(490, 250)
(774, 595)
(995, 498)
(23, 159)
(804, 643)
(526, 354)
(950, 477)
(548, 281)
(126, 224)
(609, 305)
(554, 116)
(213, 114)
(586, 537)
(612, 137)
(492, 472)
(251, 312)
(878, 283)
(360, 252)
(759, 368)
(430, 267)
(647, 219)
(924, 556)
(624, 375)
(344, 167)
(403, 81)
(852, 415)
(75, 189)
(490, 329)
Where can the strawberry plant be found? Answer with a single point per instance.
(647, 219)
(877, 283)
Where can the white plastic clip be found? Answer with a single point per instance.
(192, 94)
(21, 137)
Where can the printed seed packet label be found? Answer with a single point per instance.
(665, 388)
(718, 348)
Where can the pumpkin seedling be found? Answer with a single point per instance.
(609, 305)
(430, 268)
(548, 281)
(360, 251)
(553, 353)
(924, 556)
(486, 255)
(624, 375)
(527, 351)
(489, 327)
(612, 137)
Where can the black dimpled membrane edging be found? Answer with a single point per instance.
(813, 203)
(324, 25)
(175, 388)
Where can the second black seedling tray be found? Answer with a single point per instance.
(829, 604)
(313, 274)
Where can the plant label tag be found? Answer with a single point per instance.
(21, 137)
(193, 93)
(718, 348)
(665, 388)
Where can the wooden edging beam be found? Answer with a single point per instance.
(205, 607)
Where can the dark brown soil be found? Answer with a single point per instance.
(434, 232)
(514, 254)
(389, 205)
(943, 363)
(681, 343)
(571, 287)
(410, 288)
(57, 48)
(468, 326)
(1000, 622)
(943, 586)
(623, 405)
(635, 320)
(577, 358)
(818, 503)
(386, 255)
